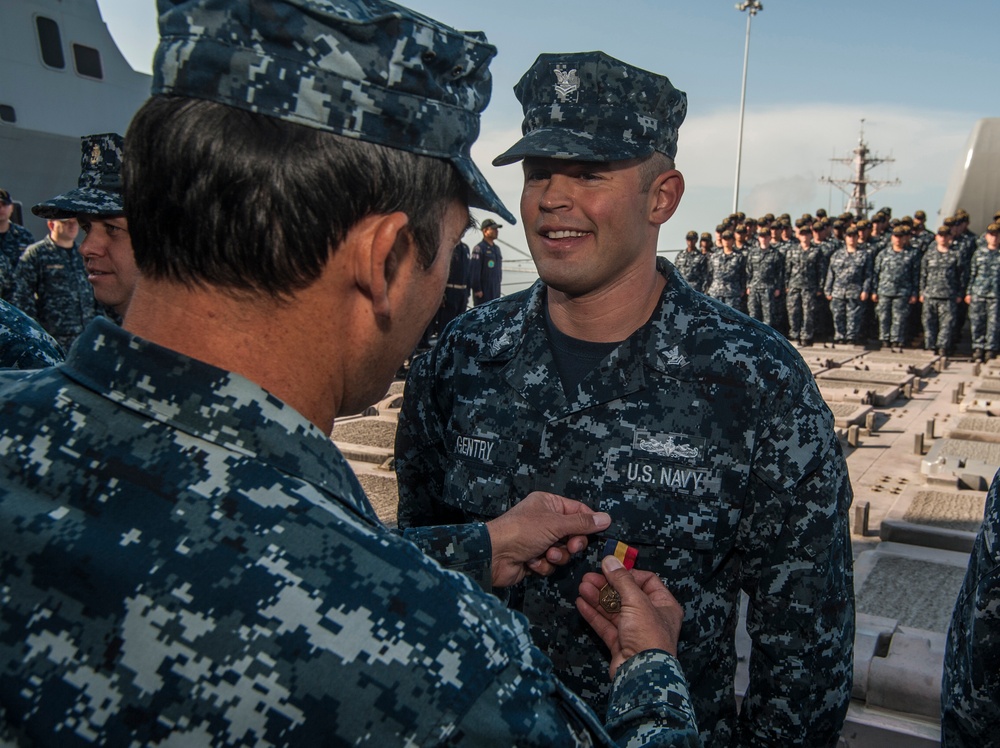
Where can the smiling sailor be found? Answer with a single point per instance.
(700, 430)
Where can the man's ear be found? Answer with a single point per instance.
(667, 190)
(387, 248)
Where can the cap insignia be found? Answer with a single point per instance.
(567, 83)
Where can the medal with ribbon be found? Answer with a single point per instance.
(609, 598)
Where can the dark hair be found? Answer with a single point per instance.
(220, 196)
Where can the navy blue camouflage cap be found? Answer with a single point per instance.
(588, 106)
(99, 189)
(365, 69)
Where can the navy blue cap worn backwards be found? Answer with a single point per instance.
(588, 106)
(366, 69)
(99, 189)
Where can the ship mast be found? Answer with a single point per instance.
(859, 187)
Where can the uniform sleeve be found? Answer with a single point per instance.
(970, 688)
(828, 285)
(465, 548)
(527, 706)
(799, 576)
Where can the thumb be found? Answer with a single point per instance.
(619, 578)
(583, 523)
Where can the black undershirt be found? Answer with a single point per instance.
(574, 358)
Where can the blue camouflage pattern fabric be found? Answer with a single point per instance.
(941, 287)
(727, 275)
(984, 307)
(848, 275)
(589, 106)
(693, 266)
(896, 281)
(705, 438)
(765, 275)
(366, 69)
(23, 343)
(802, 269)
(941, 275)
(970, 686)
(897, 273)
(50, 285)
(802, 283)
(922, 239)
(984, 274)
(965, 245)
(13, 242)
(99, 188)
(189, 561)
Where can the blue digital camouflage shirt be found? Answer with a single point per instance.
(188, 561)
(693, 265)
(705, 438)
(23, 343)
(970, 688)
(765, 269)
(984, 274)
(727, 275)
(897, 274)
(849, 274)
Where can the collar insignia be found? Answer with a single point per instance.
(673, 357)
(500, 343)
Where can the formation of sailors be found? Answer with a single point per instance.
(851, 280)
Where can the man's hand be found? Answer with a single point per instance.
(650, 617)
(541, 532)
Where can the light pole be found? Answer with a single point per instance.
(754, 6)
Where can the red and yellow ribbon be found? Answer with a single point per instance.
(622, 551)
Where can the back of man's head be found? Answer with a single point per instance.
(276, 125)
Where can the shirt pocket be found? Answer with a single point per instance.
(480, 477)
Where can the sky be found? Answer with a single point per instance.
(919, 73)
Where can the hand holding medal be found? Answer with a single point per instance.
(610, 600)
(630, 609)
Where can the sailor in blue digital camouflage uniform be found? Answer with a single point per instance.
(727, 273)
(803, 281)
(187, 559)
(50, 283)
(692, 263)
(97, 205)
(941, 289)
(765, 279)
(847, 286)
(970, 686)
(895, 287)
(982, 296)
(611, 381)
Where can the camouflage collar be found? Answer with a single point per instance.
(212, 404)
